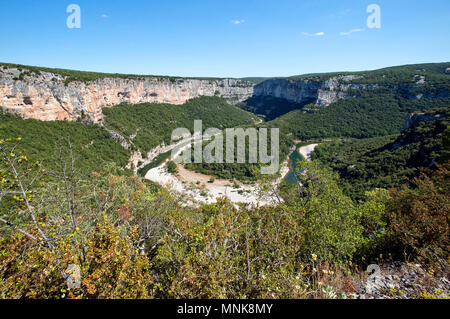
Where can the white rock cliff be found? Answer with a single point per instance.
(45, 96)
(48, 96)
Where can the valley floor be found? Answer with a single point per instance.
(201, 188)
(197, 188)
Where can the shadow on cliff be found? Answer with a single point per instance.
(270, 107)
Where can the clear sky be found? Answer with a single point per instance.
(227, 38)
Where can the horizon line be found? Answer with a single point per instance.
(219, 77)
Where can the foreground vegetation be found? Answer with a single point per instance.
(131, 240)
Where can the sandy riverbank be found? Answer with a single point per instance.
(307, 150)
(197, 188)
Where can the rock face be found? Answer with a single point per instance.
(321, 93)
(45, 96)
(326, 92)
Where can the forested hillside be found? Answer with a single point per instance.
(372, 114)
(435, 73)
(41, 140)
(351, 104)
(245, 172)
(390, 161)
(153, 123)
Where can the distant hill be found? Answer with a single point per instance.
(74, 75)
(337, 106)
(389, 75)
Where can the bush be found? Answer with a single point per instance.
(219, 251)
(171, 167)
(418, 219)
(331, 222)
(112, 267)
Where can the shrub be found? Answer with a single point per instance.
(171, 167)
(331, 226)
(418, 219)
(219, 251)
(112, 267)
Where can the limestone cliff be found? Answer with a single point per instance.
(47, 96)
(320, 93)
(50, 95)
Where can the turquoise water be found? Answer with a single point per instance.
(155, 163)
(293, 159)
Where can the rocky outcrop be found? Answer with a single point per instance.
(398, 280)
(415, 118)
(119, 139)
(47, 96)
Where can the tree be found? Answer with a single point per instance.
(331, 227)
(104, 226)
(171, 167)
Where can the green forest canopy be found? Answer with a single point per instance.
(388, 161)
(153, 123)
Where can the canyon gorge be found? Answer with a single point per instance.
(47, 96)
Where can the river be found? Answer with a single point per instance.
(294, 158)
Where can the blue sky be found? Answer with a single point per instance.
(232, 38)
